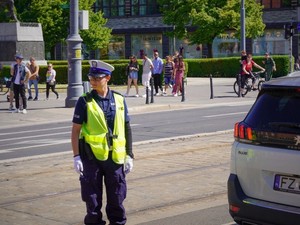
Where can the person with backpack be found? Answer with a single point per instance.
(270, 66)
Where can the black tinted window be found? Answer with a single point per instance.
(277, 111)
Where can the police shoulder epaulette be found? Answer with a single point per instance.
(88, 96)
(115, 92)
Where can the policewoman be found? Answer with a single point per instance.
(102, 147)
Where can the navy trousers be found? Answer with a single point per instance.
(94, 173)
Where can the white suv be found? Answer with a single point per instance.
(264, 181)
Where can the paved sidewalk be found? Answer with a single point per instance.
(46, 191)
(198, 95)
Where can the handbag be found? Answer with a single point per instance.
(8, 84)
(51, 82)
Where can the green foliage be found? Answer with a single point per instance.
(97, 36)
(220, 67)
(229, 67)
(211, 18)
(54, 17)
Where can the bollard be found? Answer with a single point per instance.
(152, 91)
(211, 87)
(147, 95)
(183, 91)
(239, 84)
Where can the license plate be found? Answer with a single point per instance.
(285, 183)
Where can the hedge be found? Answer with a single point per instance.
(218, 67)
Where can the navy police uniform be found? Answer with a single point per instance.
(95, 171)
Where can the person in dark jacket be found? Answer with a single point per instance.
(102, 147)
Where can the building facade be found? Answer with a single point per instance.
(137, 28)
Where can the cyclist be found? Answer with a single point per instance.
(246, 71)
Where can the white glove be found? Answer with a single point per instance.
(128, 164)
(78, 165)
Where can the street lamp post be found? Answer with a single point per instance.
(75, 88)
(243, 39)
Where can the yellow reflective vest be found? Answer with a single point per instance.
(95, 131)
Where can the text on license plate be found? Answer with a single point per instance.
(287, 183)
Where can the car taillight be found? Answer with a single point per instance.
(244, 132)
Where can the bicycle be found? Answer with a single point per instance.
(252, 83)
(4, 86)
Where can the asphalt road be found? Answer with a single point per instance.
(33, 140)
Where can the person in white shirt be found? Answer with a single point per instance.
(50, 81)
(21, 74)
(147, 71)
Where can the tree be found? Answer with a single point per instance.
(97, 36)
(54, 18)
(211, 18)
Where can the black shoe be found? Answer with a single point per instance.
(29, 98)
(57, 97)
(35, 99)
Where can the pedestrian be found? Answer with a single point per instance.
(270, 66)
(102, 147)
(132, 70)
(51, 81)
(147, 70)
(34, 79)
(179, 74)
(157, 72)
(21, 74)
(168, 73)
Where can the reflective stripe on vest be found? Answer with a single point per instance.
(95, 131)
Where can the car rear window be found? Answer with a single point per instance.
(277, 111)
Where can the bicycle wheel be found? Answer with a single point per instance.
(236, 87)
(260, 84)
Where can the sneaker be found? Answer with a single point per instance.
(57, 97)
(144, 96)
(24, 111)
(11, 107)
(164, 93)
(137, 95)
(35, 99)
(16, 111)
(175, 94)
(29, 98)
(157, 94)
(125, 95)
(170, 86)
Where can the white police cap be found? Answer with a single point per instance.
(100, 68)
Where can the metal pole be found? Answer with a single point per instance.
(183, 91)
(152, 91)
(147, 95)
(211, 87)
(291, 53)
(75, 88)
(243, 39)
(174, 41)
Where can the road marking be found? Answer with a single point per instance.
(30, 131)
(226, 114)
(34, 136)
(55, 142)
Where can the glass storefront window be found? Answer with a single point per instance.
(185, 48)
(273, 41)
(146, 43)
(226, 45)
(115, 49)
